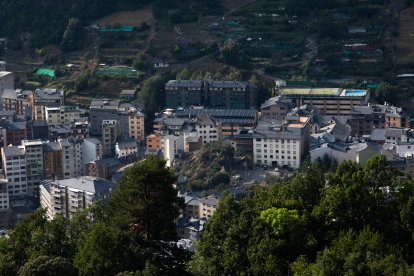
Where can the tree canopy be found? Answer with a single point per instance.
(354, 221)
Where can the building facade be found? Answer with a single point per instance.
(66, 197)
(329, 101)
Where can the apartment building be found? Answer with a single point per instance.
(61, 115)
(53, 160)
(110, 135)
(208, 206)
(43, 98)
(212, 93)
(14, 133)
(91, 150)
(153, 141)
(184, 93)
(230, 94)
(4, 198)
(364, 119)
(195, 207)
(231, 120)
(66, 197)
(126, 148)
(72, 158)
(281, 145)
(124, 113)
(6, 81)
(329, 101)
(14, 174)
(275, 109)
(136, 125)
(208, 128)
(34, 165)
(171, 147)
(18, 101)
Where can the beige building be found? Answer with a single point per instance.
(208, 206)
(61, 115)
(136, 125)
(17, 100)
(69, 196)
(195, 207)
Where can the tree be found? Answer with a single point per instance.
(223, 245)
(146, 201)
(71, 35)
(48, 266)
(184, 74)
(101, 253)
(363, 253)
(141, 62)
(387, 93)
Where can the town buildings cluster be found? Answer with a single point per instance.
(65, 158)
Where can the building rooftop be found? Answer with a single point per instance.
(86, 183)
(127, 144)
(323, 92)
(184, 83)
(127, 92)
(210, 200)
(52, 146)
(48, 95)
(16, 126)
(227, 84)
(5, 73)
(16, 94)
(11, 151)
(217, 113)
(93, 140)
(278, 100)
(205, 120)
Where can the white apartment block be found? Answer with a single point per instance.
(208, 129)
(14, 173)
(69, 196)
(61, 115)
(171, 146)
(284, 145)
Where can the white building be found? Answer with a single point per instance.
(208, 129)
(14, 172)
(172, 146)
(281, 145)
(61, 115)
(68, 196)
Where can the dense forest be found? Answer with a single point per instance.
(45, 21)
(351, 221)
